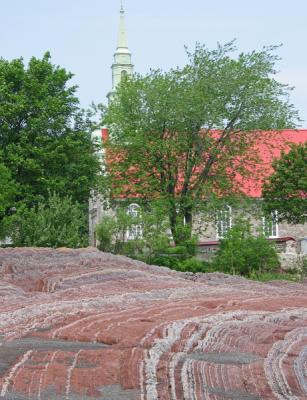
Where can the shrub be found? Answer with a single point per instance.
(105, 232)
(176, 257)
(191, 265)
(242, 253)
(112, 234)
(153, 246)
(166, 260)
(55, 222)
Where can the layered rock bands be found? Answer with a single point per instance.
(85, 325)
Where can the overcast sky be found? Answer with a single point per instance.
(81, 35)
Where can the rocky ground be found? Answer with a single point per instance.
(81, 324)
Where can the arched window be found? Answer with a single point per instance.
(124, 73)
(223, 221)
(135, 230)
(133, 210)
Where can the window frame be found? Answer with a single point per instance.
(135, 231)
(271, 231)
(223, 221)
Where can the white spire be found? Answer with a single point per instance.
(122, 58)
(122, 37)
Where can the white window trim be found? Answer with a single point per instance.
(135, 231)
(133, 209)
(224, 230)
(274, 219)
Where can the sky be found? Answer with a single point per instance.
(82, 35)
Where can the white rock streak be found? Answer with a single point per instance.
(300, 366)
(216, 330)
(8, 379)
(274, 368)
(171, 333)
(161, 333)
(69, 374)
(44, 373)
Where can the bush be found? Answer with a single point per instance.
(192, 265)
(112, 234)
(56, 222)
(105, 232)
(166, 260)
(242, 253)
(153, 246)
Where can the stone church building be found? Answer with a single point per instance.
(289, 238)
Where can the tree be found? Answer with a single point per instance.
(286, 189)
(55, 222)
(242, 253)
(7, 189)
(181, 136)
(44, 136)
(148, 230)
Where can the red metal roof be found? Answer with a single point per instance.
(267, 150)
(279, 141)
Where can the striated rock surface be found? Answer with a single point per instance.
(84, 325)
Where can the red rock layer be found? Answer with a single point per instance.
(81, 324)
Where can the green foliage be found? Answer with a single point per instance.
(56, 222)
(192, 265)
(273, 276)
(7, 188)
(153, 246)
(182, 134)
(295, 275)
(105, 232)
(286, 189)
(242, 253)
(181, 257)
(112, 232)
(303, 271)
(44, 136)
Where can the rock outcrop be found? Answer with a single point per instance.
(81, 324)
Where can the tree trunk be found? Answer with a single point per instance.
(180, 224)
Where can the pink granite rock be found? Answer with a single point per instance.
(81, 324)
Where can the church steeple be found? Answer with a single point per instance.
(122, 37)
(122, 57)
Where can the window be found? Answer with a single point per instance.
(270, 225)
(124, 73)
(133, 210)
(135, 230)
(223, 221)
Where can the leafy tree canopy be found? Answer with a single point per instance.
(180, 136)
(44, 136)
(56, 222)
(286, 189)
(8, 188)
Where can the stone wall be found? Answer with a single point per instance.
(204, 226)
(207, 231)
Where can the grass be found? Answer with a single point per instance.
(204, 267)
(273, 276)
